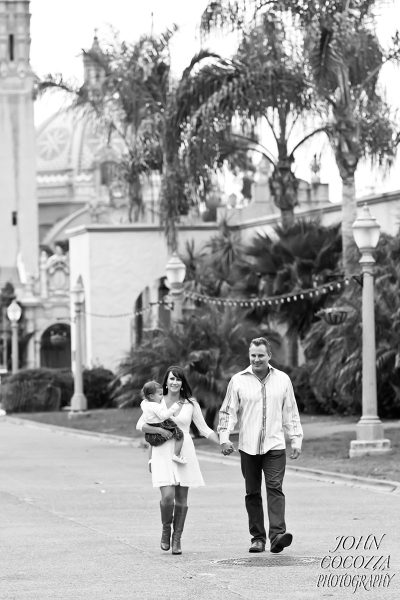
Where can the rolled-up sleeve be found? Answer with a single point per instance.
(228, 413)
(199, 421)
(291, 418)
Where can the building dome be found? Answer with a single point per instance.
(72, 151)
(67, 142)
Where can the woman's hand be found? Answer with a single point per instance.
(165, 433)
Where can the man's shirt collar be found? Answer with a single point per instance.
(250, 370)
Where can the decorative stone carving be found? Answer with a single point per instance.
(54, 274)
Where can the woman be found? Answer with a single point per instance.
(172, 478)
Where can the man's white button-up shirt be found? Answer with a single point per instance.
(266, 410)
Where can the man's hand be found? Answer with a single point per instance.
(165, 433)
(295, 453)
(227, 448)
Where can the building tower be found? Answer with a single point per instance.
(19, 246)
(93, 69)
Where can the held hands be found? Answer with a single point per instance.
(227, 448)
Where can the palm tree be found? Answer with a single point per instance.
(137, 100)
(290, 261)
(346, 59)
(214, 274)
(212, 345)
(264, 87)
(343, 59)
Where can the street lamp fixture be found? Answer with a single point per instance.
(175, 271)
(14, 313)
(78, 400)
(369, 429)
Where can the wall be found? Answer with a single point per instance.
(116, 264)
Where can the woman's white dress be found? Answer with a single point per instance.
(165, 471)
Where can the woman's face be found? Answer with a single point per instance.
(173, 383)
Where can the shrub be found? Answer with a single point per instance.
(305, 396)
(34, 390)
(39, 390)
(96, 387)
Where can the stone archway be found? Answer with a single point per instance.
(55, 347)
(158, 316)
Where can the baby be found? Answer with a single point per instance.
(159, 416)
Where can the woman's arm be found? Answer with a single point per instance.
(141, 425)
(146, 428)
(201, 425)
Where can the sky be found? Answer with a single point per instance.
(60, 30)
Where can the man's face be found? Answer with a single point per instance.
(259, 359)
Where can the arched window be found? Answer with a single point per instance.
(108, 172)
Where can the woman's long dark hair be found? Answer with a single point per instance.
(178, 372)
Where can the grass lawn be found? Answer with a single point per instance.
(328, 452)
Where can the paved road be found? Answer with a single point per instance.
(80, 521)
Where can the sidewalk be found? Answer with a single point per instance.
(81, 520)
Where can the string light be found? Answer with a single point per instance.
(242, 302)
(137, 313)
(270, 300)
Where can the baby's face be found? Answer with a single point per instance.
(157, 396)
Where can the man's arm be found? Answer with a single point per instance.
(291, 421)
(228, 418)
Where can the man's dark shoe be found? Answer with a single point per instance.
(281, 541)
(257, 546)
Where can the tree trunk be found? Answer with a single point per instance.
(347, 147)
(287, 218)
(293, 349)
(349, 215)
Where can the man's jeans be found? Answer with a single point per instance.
(273, 465)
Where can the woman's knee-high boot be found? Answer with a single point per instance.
(179, 523)
(167, 511)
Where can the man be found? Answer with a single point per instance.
(262, 398)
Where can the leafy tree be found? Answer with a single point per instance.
(137, 101)
(211, 346)
(212, 272)
(346, 59)
(289, 261)
(343, 60)
(263, 88)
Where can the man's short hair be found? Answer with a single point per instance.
(262, 341)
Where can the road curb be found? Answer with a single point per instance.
(386, 486)
(321, 475)
(108, 437)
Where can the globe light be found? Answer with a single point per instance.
(366, 230)
(14, 312)
(175, 270)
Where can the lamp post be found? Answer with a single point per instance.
(14, 313)
(176, 271)
(78, 400)
(369, 429)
